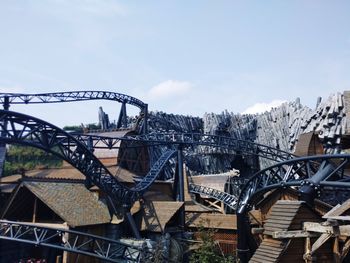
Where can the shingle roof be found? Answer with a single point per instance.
(67, 173)
(72, 202)
(156, 214)
(285, 215)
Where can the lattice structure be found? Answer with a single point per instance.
(226, 198)
(74, 241)
(27, 130)
(190, 140)
(55, 97)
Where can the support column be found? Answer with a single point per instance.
(132, 224)
(145, 119)
(181, 185)
(6, 106)
(308, 191)
(246, 245)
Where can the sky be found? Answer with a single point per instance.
(184, 57)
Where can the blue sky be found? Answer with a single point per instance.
(187, 57)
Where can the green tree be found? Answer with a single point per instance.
(20, 158)
(209, 250)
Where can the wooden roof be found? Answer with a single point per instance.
(270, 250)
(72, 202)
(64, 173)
(284, 215)
(211, 220)
(269, 200)
(216, 181)
(156, 214)
(289, 215)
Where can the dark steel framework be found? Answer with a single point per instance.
(22, 129)
(188, 140)
(225, 198)
(17, 98)
(73, 241)
(308, 174)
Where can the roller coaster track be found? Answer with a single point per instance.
(309, 174)
(295, 173)
(23, 129)
(55, 97)
(73, 241)
(226, 198)
(189, 140)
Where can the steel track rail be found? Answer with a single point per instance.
(187, 140)
(17, 128)
(56, 97)
(296, 172)
(73, 241)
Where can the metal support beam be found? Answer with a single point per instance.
(145, 119)
(308, 191)
(133, 226)
(74, 241)
(246, 244)
(181, 185)
(6, 105)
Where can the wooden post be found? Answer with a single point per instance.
(34, 209)
(336, 252)
(307, 254)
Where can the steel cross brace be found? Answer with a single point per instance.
(74, 241)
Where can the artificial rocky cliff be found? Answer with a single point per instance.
(279, 128)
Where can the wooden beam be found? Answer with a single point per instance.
(338, 209)
(293, 234)
(307, 248)
(320, 241)
(343, 218)
(336, 253)
(334, 230)
(35, 209)
(345, 249)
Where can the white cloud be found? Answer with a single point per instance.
(169, 88)
(262, 107)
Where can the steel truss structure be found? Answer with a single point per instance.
(74, 241)
(56, 97)
(296, 173)
(309, 174)
(188, 140)
(69, 96)
(22, 129)
(226, 198)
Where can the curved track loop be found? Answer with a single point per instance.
(189, 140)
(296, 172)
(309, 174)
(22, 129)
(18, 98)
(73, 241)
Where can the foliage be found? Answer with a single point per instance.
(27, 158)
(80, 128)
(209, 251)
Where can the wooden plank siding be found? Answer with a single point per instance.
(283, 216)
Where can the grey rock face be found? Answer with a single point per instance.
(280, 128)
